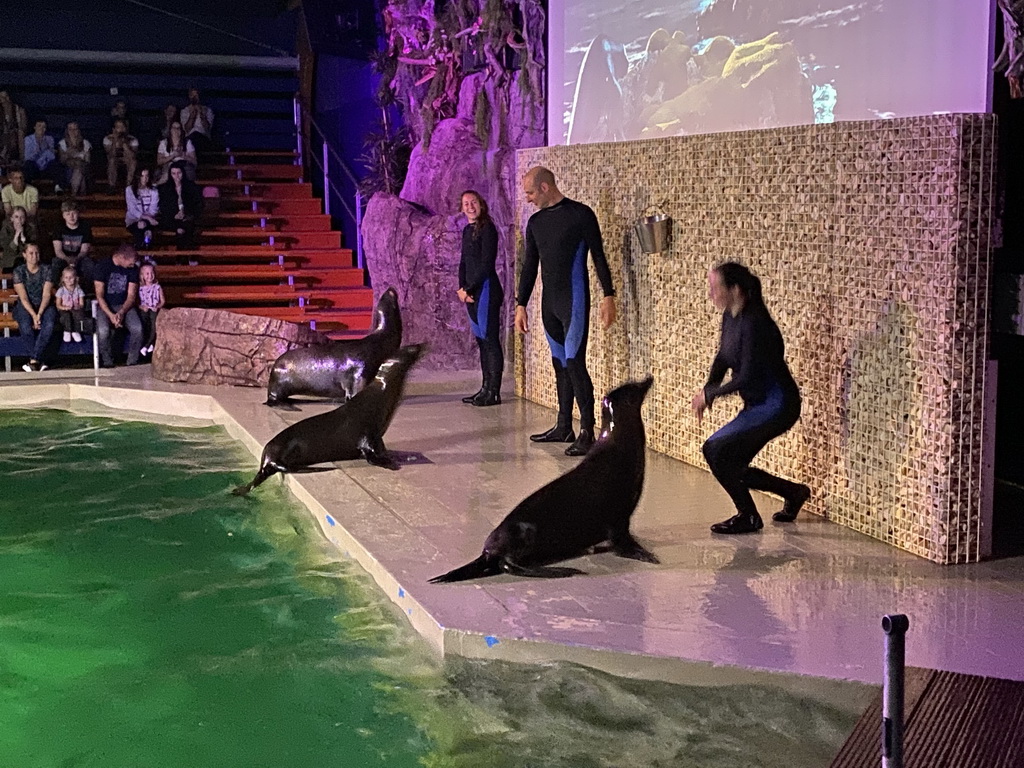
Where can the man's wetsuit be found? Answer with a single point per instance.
(557, 239)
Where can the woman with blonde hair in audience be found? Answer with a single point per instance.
(75, 154)
(16, 233)
(142, 201)
(176, 148)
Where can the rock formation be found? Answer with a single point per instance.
(212, 346)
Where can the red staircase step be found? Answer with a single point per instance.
(249, 171)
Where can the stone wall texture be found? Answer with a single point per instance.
(213, 346)
(872, 243)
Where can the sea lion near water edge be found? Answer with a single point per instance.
(340, 369)
(586, 507)
(354, 429)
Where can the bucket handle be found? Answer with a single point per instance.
(657, 208)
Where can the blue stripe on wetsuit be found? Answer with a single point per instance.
(482, 307)
(578, 310)
(754, 416)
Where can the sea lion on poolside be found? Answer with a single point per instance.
(584, 508)
(339, 369)
(353, 429)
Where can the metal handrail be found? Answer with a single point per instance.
(323, 164)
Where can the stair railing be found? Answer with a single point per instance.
(303, 118)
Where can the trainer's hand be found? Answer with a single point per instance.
(698, 405)
(607, 311)
(522, 325)
(462, 295)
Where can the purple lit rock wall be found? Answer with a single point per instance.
(411, 241)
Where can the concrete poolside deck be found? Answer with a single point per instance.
(802, 599)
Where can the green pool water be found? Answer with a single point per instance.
(149, 618)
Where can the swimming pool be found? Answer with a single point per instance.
(150, 618)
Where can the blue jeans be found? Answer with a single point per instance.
(104, 331)
(36, 342)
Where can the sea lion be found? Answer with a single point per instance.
(340, 369)
(580, 510)
(355, 428)
(597, 104)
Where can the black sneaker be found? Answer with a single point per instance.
(739, 523)
(792, 506)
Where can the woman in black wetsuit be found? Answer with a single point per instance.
(752, 348)
(481, 292)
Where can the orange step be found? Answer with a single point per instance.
(113, 217)
(250, 171)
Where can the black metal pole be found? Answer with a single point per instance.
(895, 627)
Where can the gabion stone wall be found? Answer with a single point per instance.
(871, 240)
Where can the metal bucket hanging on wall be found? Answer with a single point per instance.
(655, 232)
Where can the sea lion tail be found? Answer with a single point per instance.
(482, 566)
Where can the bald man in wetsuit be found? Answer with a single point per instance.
(558, 237)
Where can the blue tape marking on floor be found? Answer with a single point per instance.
(491, 641)
(401, 592)
(330, 520)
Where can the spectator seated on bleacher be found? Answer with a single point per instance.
(34, 311)
(72, 242)
(170, 117)
(119, 112)
(117, 290)
(181, 204)
(15, 235)
(75, 154)
(197, 119)
(70, 300)
(142, 203)
(13, 127)
(173, 149)
(122, 149)
(19, 194)
(41, 155)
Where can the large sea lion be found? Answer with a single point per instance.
(340, 369)
(584, 508)
(355, 428)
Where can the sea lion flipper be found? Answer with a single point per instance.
(266, 470)
(482, 566)
(540, 571)
(374, 451)
(624, 545)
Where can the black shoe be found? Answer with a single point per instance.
(485, 398)
(739, 523)
(469, 399)
(556, 434)
(792, 506)
(583, 444)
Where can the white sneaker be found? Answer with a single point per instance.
(58, 188)
(27, 368)
(151, 348)
(44, 367)
(76, 336)
(143, 351)
(67, 335)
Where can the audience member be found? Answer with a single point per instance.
(34, 312)
(170, 117)
(151, 301)
(41, 155)
(181, 204)
(197, 119)
(143, 206)
(18, 193)
(172, 149)
(119, 112)
(70, 304)
(15, 235)
(72, 242)
(122, 149)
(75, 153)
(117, 287)
(13, 127)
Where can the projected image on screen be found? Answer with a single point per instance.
(648, 68)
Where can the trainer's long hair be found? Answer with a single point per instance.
(485, 211)
(735, 274)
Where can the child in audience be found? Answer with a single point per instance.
(151, 301)
(70, 304)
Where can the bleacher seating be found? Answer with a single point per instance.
(265, 245)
